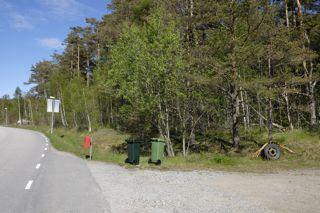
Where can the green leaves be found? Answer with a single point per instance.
(145, 62)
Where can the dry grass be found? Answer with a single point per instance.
(306, 145)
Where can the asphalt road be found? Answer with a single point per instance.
(36, 178)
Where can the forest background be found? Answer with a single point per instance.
(207, 76)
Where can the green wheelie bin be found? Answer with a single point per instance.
(133, 149)
(157, 151)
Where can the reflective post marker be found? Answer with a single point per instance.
(91, 148)
(88, 143)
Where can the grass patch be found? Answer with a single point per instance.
(306, 145)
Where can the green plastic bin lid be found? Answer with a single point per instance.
(158, 140)
(133, 140)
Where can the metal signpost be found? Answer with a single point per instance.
(53, 106)
(6, 109)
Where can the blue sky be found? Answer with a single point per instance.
(31, 30)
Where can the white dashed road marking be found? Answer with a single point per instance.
(45, 149)
(43, 155)
(28, 186)
(38, 166)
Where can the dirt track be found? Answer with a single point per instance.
(136, 190)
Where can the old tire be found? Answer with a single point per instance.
(127, 160)
(149, 161)
(272, 151)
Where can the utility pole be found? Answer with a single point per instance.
(6, 109)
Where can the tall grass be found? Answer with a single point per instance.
(305, 144)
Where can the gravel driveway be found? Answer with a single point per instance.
(134, 190)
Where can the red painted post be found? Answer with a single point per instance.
(87, 142)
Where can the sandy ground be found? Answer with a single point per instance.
(134, 190)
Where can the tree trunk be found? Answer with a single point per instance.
(111, 113)
(20, 121)
(99, 51)
(89, 123)
(310, 90)
(164, 129)
(308, 71)
(287, 13)
(45, 94)
(270, 121)
(235, 116)
(63, 110)
(192, 131)
(270, 112)
(191, 8)
(313, 113)
(61, 116)
(25, 109)
(31, 112)
(184, 143)
(235, 101)
(71, 61)
(286, 98)
(78, 60)
(183, 121)
(247, 109)
(300, 18)
(87, 111)
(191, 139)
(168, 135)
(243, 110)
(285, 94)
(88, 74)
(259, 112)
(75, 123)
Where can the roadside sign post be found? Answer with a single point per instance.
(53, 106)
(52, 116)
(6, 109)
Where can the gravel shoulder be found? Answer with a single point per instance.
(135, 190)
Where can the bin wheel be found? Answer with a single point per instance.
(149, 161)
(158, 162)
(272, 152)
(127, 160)
(135, 162)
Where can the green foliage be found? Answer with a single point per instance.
(190, 71)
(146, 65)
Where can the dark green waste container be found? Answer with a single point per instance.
(157, 151)
(133, 149)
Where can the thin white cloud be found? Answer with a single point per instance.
(65, 8)
(15, 19)
(52, 43)
(5, 5)
(20, 22)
